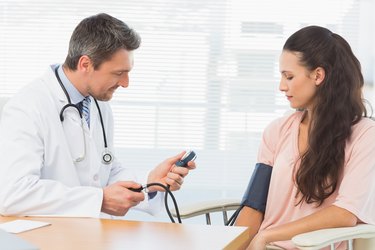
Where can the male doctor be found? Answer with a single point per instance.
(56, 134)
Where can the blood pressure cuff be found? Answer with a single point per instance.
(257, 190)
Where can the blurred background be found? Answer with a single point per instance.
(205, 78)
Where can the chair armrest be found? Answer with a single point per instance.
(324, 237)
(204, 207)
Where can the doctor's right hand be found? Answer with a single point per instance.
(117, 198)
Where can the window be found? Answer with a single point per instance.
(206, 76)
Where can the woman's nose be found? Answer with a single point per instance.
(283, 86)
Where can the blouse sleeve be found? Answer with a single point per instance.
(356, 192)
(268, 143)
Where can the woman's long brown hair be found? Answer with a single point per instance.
(338, 105)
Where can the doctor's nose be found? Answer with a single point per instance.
(124, 81)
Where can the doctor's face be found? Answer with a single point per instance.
(110, 75)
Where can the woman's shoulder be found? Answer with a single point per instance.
(367, 121)
(285, 122)
(365, 126)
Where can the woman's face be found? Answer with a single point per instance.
(296, 81)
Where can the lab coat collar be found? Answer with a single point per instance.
(53, 85)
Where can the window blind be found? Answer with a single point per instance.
(205, 77)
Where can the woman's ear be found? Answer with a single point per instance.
(319, 75)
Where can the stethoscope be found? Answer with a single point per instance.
(107, 156)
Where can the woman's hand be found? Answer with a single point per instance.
(259, 242)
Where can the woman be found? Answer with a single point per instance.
(323, 155)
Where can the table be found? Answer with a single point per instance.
(104, 234)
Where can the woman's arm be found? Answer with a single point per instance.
(329, 217)
(249, 217)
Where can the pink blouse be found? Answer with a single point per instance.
(355, 191)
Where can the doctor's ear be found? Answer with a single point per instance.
(84, 64)
(318, 75)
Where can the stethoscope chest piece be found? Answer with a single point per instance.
(107, 157)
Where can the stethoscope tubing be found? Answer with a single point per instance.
(107, 156)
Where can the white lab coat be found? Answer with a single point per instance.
(37, 172)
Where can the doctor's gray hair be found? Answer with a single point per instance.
(99, 37)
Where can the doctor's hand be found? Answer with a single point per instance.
(167, 173)
(117, 198)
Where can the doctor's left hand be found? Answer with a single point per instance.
(167, 173)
